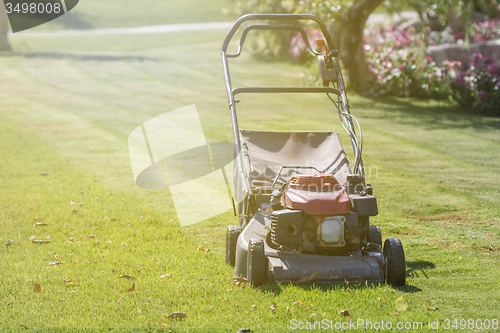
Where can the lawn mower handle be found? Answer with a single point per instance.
(225, 65)
(331, 54)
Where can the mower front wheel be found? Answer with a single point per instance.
(395, 261)
(375, 236)
(233, 232)
(256, 263)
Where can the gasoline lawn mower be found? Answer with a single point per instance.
(304, 213)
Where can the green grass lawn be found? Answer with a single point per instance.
(92, 14)
(67, 106)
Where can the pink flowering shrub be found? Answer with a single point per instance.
(397, 57)
(479, 32)
(482, 31)
(475, 85)
(398, 60)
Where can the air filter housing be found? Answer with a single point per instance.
(286, 227)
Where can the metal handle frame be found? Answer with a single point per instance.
(338, 90)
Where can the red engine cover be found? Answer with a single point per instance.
(319, 194)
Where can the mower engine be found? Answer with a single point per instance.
(313, 215)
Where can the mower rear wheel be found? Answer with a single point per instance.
(375, 236)
(233, 232)
(256, 263)
(395, 261)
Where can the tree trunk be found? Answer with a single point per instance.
(349, 41)
(4, 27)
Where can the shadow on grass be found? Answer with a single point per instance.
(414, 268)
(439, 116)
(55, 55)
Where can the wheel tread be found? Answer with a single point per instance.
(393, 250)
(233, 232)
(256, 265)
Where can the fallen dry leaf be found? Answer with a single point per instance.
(273, 306)
(54, 263)
(162, 325)
(254, 306)
(81, 204)
(9, 241)
(432, 308)
(165, 276)
(126, 276)
(201, 248)
(288, 309)
(140, 311)
(37, 287)
(57, 256)
(72, 203)
(90, 236)
(43, 173)
(39, 224)
(298, 303)
(74, 211)
(396, 314)
(344, 313)
(309, 278)
(177, 315)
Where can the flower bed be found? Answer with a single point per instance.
(398, 59)
(475, 85)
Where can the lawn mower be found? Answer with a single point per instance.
(304, 213)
